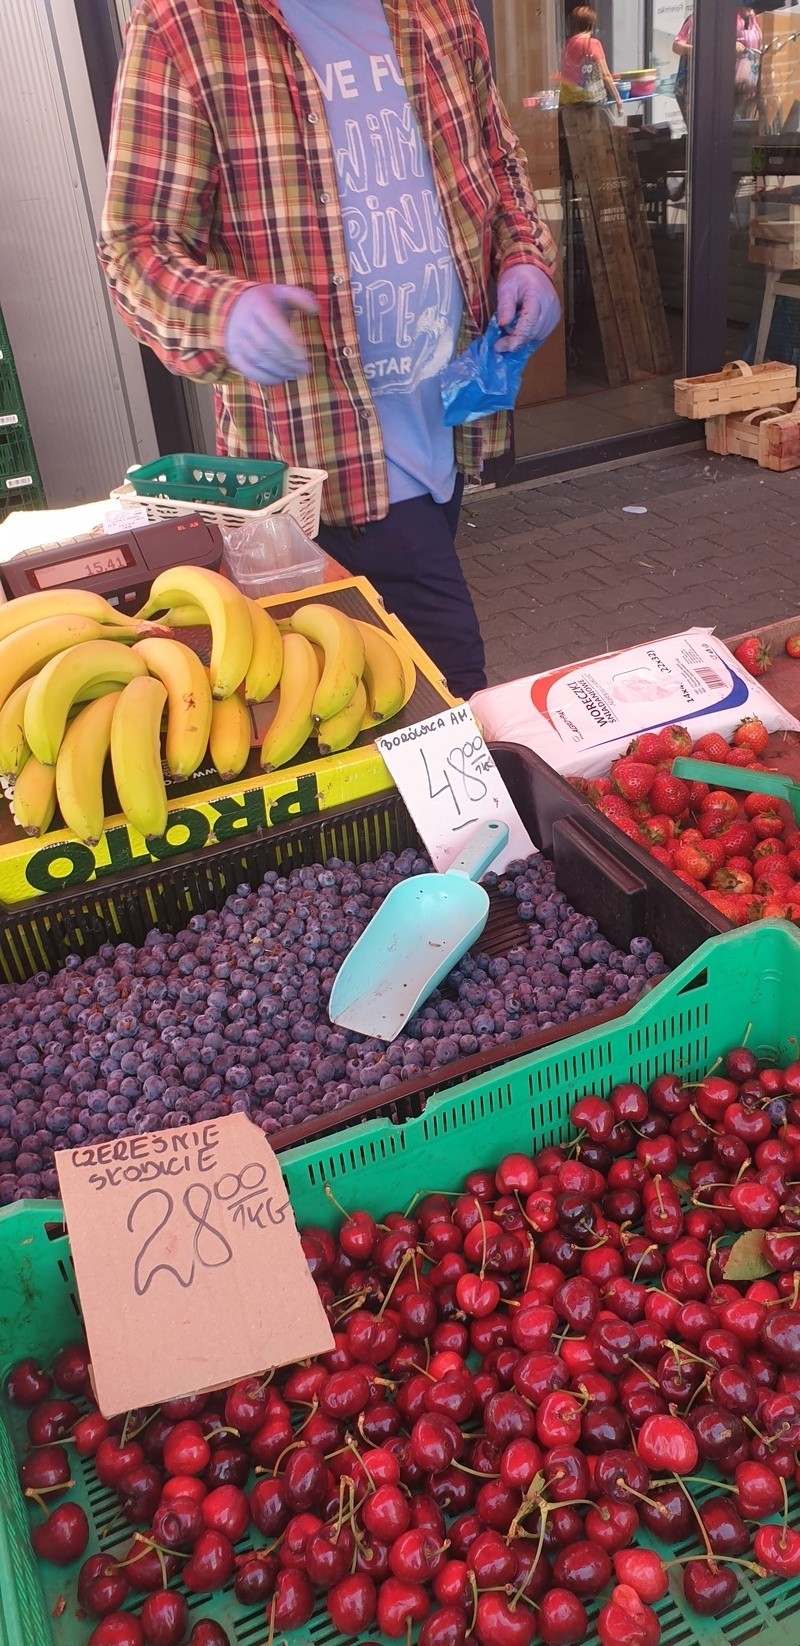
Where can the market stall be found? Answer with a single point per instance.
(528, 1370)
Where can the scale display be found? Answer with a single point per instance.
(121, 566)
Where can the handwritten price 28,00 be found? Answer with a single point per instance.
(465, 762)
(156, 1215)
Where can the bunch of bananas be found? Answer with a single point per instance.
(80, 683)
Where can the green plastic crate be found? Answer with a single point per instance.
(10, 391)
(230, 482)
(742, 980)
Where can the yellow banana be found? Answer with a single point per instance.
(343, 646)
(293, 723)
(407, 665)
(383, 673)
(229, 740)
(27, 650)
(226, 612)
(267, 660)
(13, 743)
(33, 608)
(343, 728)
(34, 799)
(79, 768)
(185, 616)
(136, 755)
(58, 684)
(188, 701)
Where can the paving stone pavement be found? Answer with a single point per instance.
(558, 571)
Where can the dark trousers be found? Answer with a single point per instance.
(410, 558)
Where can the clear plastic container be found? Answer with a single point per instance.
(272, 557)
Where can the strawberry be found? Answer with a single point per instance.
(755, 804)
(662, 854)
(712, 747)
(767, 827)
(739, 865)
(713, 822)
(631, 829)
(669, 796)
(776, 884)
(632, 779)
(775, 908)
(596, 788)
(692, 837)
(730, 880)
(719, 800)
(770, 847)
(792, 646)
(726, 905)
(792, 861)
(792, 840)
(743, 758)
(754, 655)
(614, 807)
(689, 880)
(751, 734)
(739, 839)
(692, 861)
(674, 741)
(641, 809)
(714, 851)
(659, 830)
(647, 748)
(697, 794)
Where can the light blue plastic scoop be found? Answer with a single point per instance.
(417, 936)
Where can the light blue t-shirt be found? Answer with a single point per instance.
(405, 287)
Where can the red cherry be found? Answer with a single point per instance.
(667, 1444)
(186, 1450)
(496, 1624)
(400, 1604)
(71, 1369)
(51, 1420)
(210, 1564)
(255, 1579)
(352, 1604)
(445, 1627)
(102, 1585)
(177, 1523)
(27, 1384)
(562, 1619)
(226, 1510)
(118, 1629)
(777, 1548)
(146, 1567)
(626, 1621)
(709, 1589)
(643, 1570)
(207, 1632)
(477, 1297)
(46, 1470)
(165, 1618)
(63, 1536)
(112, 1460)
(611, 1525)
(583, 1568)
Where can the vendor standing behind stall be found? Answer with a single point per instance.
(305, 206)
(585, 74)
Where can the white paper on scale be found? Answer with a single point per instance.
(450, 784)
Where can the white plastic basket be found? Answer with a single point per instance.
(302, 499)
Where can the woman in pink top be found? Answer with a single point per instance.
(585, 75)
(749, 41)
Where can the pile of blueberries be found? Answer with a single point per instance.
(231, 1013)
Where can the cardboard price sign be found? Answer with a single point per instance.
(189, 1266)
(450, 784)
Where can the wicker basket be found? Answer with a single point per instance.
(739, 388)
(302, 499)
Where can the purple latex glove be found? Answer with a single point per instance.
(259, 341)
(526, 294)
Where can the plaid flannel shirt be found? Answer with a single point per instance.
(221, 174)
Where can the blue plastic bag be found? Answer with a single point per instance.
(481, 381)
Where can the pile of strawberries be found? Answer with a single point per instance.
(740, 852)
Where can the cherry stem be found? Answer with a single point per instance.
(474, 1586)
(518, 1593)
(404, 1261)
(483, 1230)
(719, 1485)
(156, 1412)
(331, 1196)
(38, 1495)
(645, 1253)
(679, 1349)
(653, 1381)
(765, 1440)
(292, 1447)
(701, 1523)
(271, 1634)
(782, 1540)
(724, 1560)
(478, 1473)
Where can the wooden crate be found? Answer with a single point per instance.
(771, 436)
(774, 231)
(738, 388)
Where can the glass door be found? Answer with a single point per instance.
(597, 96)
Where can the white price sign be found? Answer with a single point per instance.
(450, 783)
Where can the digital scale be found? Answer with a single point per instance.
(121, 566)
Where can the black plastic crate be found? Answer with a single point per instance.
(37, 937)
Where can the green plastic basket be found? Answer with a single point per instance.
(191, 477)
(742, 980)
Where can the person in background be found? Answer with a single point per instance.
(585, 75)
(749, 41)
(306, 204)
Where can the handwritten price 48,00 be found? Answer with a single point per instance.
(176, 1245)
(461, 770)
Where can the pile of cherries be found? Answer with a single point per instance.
(526, 1375)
